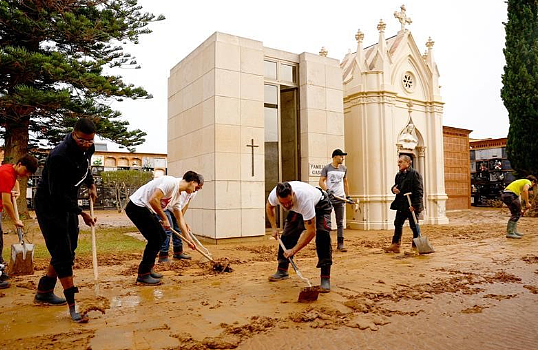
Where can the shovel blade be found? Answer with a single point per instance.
(308, 294)
(423, 245)
(22, 259)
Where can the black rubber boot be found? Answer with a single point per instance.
(4, 285)
(281, 274)
(340, 245)
(45, 292)
(163, 257)
(70, 297)
(147, 279)
(182, 255)
(155, 274)
(325, 286)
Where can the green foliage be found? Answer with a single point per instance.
(53, 60)
(520, 85)
(123, 183)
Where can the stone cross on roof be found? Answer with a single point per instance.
(402, 17)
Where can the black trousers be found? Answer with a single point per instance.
(513, 203)
(149, 226)
(401, 216)
(294, 226)
(60, 230)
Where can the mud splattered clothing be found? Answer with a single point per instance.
(57, 210)
(510, 197)
(310, 202)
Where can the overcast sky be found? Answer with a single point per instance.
(469, 38)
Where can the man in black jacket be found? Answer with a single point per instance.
(407, 180)
(66, 168)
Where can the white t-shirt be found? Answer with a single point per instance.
(169, 185)
(184, 199)
(335, 178)
(306, 195)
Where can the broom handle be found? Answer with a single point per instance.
(94, 245)
(195, 247)
(408, 195)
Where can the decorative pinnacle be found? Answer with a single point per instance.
(429, 43)
(381, 26)
(323, 52)
(359, 36)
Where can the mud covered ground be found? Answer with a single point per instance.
(479, 290)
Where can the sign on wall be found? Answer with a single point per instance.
(315, 169)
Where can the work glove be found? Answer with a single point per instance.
(330, 193)
(351, 201)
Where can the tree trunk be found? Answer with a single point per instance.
(15, 147)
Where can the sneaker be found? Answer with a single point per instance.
(180, 256)
(279, 276)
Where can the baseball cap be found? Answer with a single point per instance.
(339, 152)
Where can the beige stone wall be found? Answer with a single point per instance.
(321, 111)
(215, 110)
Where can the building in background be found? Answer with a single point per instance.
(457, 175)
(393, 106)
(491, 171)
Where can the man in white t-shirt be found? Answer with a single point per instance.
(184, 201)
(309, 216)
(146, 211)
(334, 180)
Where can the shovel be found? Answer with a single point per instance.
(354, 203)
(22, 253)
(219, 267)
(422, 243)
(94, 251)
(309, 293)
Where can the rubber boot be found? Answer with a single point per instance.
(340, 245)
(45, 292)
(4, 285)
(280, 274)
(70, 297)
(325, 285)
(510, 230)
(163, 257)
(155, 274)
(393, 248)
(182, 255)
(147, 279)
(515, 230)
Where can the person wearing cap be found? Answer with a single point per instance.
(334, 180)
(510, 197)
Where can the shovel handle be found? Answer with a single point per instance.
(94, 244)
(295, 268)
(408, 195)
(195, 247)
(16, 211)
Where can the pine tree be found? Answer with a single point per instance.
(520, 85)
(55, 56)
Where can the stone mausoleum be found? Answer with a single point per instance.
(247, 116)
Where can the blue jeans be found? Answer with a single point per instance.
(178, 244)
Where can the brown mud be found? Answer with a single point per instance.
(478, 290)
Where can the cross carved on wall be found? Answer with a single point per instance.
(252, 145)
